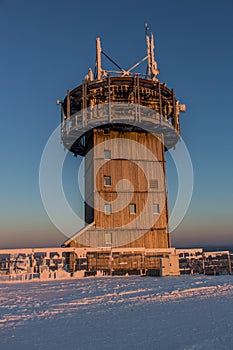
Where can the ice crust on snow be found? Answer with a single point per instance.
(187, 312)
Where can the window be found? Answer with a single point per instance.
(132, 208)
(106, 131)
(108, 209)
(108, 238)
(156, 208)
(107, 181)
(154, 183)
(107, 154)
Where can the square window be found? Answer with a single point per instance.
(107, 154)
(106, 131)
(154, 183)
(156, 209)
(108, 238)
(132, 208)
(108, 209)
(107, 181)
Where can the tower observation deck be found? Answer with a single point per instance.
(122, 122)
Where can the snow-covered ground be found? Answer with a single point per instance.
(187, 312)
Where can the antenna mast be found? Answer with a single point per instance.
(152, 70)
(152, 67)
(98, 58)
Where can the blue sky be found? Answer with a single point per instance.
(47, 48)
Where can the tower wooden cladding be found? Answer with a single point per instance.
(133, 214)
(122, 123)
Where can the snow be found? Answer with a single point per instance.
(186, 312)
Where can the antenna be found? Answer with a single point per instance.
(154, 66)
(148, 43)
(152, 70)
(98, 58)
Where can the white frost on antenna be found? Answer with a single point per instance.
(152, 69)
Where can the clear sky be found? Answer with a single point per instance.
(47, 48)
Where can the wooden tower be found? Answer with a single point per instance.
(122, 123)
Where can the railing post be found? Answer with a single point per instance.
(68, 104)
(160, 102)
(109, 100)
(138, 93)
(174, 110)
(84, 103)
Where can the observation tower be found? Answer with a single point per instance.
(122, 122)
